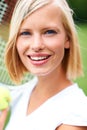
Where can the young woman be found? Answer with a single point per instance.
(43, 41)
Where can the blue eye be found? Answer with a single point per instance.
(50, 32)
(25, 33)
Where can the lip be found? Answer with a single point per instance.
(39, 59)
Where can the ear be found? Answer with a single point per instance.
(67, 43)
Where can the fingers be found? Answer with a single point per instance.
(3, 116)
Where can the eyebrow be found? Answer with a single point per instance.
(24, 29)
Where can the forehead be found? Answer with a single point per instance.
(46, 14)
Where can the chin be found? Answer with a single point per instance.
(41, 74)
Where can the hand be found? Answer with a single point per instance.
(3, 116)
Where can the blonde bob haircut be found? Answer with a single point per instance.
(72, 64)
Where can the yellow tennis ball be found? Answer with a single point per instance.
(5, 98)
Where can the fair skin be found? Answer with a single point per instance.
(3, 118)
(41, 43)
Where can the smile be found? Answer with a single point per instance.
(39, 58)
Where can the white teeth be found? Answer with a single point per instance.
(38, 58)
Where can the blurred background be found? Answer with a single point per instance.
(80, 16)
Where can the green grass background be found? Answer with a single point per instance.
(82, 33)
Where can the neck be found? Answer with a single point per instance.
(54, 82)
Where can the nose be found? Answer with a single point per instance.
(37, 43)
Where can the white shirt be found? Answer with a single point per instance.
(66, 107)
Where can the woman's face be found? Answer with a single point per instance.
(42, 40)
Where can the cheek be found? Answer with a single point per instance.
(20, 50)
(56, 45)
(20, 46)
(58, 48)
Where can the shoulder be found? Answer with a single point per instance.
(74, 95)
(72, 106)
(68, 127)
(76, 108)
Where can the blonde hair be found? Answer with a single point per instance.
(72, 60)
